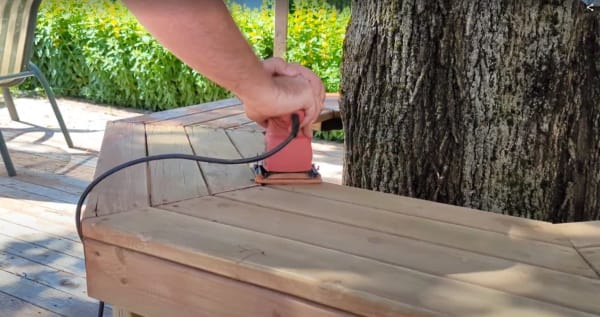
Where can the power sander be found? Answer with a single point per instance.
(292, 164)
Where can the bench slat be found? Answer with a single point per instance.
(329, 232)
(511, 226)
(172, 180)
(128, 188)
(341, 280)
(183, 111)
(130, 279)
(216, 143)
(560, 258)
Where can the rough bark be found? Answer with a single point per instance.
(493, 105)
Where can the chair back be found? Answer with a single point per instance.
(17, 31)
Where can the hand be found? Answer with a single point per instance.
(294, 88)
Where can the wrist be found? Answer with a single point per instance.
(255, 87)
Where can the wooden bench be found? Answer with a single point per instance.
(178, 238)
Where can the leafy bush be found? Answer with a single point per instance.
(98, 51)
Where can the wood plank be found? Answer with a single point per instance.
(120, 312)
(183, 111)
(44, 256)
(199, 118)
(219, 177)
(560, 258)
(42, 239)
(154, 287)
(592, 256)
(345, 281)
(487, 271)
(247, 143)
(125, 189)
(172, 180)
(281, 24)
(227, 122)
(15, 307)
(50, 277)
(56, 301)
(582, 234)
(511, 226)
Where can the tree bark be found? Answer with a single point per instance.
(493, 105)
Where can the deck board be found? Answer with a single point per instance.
(43, 239)
(51, 299)
(37, 231)
(13, 306)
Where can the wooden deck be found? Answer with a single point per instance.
(42, 271)
(41, 258)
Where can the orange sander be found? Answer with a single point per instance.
(293, 163)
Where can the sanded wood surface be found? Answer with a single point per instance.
(360, 284)
(126, 189)
(582, 234)
(216, 143)
(592, 255)
(158, 288)
(411, 228)
(511, 226)
(173, 114)
(357, 239)
(212, 234)
(174, 179)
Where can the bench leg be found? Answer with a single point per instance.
(120, 312)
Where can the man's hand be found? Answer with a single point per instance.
(294, 88)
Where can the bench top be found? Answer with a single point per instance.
(309, 250)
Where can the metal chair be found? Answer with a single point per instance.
(17, 32)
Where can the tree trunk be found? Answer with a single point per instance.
(493, 105)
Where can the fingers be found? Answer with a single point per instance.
(313, 94)
(277, 66)
(317, 87)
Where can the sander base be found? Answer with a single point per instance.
(285, 178)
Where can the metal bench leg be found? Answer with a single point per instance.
(6, 157)
(36, 71)
(10, 105)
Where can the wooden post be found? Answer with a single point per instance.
(281, 13)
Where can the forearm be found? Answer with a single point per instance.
(203, 35)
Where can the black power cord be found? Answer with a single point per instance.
(97, 180)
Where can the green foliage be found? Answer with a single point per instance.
(98, 51)
(333, 135)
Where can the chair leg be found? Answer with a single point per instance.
(36, 71)
(6, 157)
(10, 104)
